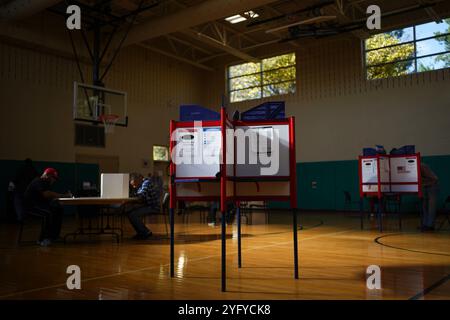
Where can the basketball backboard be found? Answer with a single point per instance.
(92, 103)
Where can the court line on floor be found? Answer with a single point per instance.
(300, 228)
(377, 241)
(430, 288)
(168, 264)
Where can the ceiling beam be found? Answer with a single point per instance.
(33, 40)
(174, 56)
(214, 42)
(236, 33)
(243, 49)
(127, 4)
(431, 12)
(361, 34)
(191, 16)
(189, 44)
(220, 45)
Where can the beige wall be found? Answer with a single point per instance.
(338, 112)
(36, 101)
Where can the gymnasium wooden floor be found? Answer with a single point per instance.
(333, 255)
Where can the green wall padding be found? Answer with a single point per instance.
(331, 177)
(334, 177)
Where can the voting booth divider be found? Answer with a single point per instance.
(211, 161)
(386, 175)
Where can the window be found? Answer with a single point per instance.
(160, 153)
(414, 49)
(270, 77)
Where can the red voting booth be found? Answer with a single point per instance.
(223, 178)
(387, 175)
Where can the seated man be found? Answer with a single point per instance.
(40, 199)
(150, 202)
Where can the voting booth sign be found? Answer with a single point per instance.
(405, 174)
(375, 174)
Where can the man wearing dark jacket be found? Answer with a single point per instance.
(39, 198)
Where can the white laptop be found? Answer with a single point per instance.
(115, 185)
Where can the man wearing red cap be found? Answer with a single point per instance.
(41, 199)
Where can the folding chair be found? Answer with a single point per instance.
(35, 212)
(348, 202)
(165, 210)
(244, 211)
(391, 204)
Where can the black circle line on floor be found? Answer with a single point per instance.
(377, 241)
(426, 290)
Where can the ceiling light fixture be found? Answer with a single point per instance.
(239, 18)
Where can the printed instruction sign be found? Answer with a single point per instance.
(198, 152)
(212, 142)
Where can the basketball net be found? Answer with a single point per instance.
(109, 122)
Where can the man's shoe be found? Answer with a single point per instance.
(211, 224)
(146, 236)
(45, 243)
(142, 236)
(58, 239)
(427, 229)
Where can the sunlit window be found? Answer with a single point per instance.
(272, 76)
(160, 153)
(409, 50)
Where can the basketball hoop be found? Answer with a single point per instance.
(109, 122)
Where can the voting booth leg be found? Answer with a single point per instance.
(361, 211)
(380, 220)
(421, 212)
(172, 243)
(294, 214)
(238, 216)
(224, 252)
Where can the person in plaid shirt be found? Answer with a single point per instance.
(148, 192)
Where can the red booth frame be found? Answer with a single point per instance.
(379, 194)
(225, 123)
